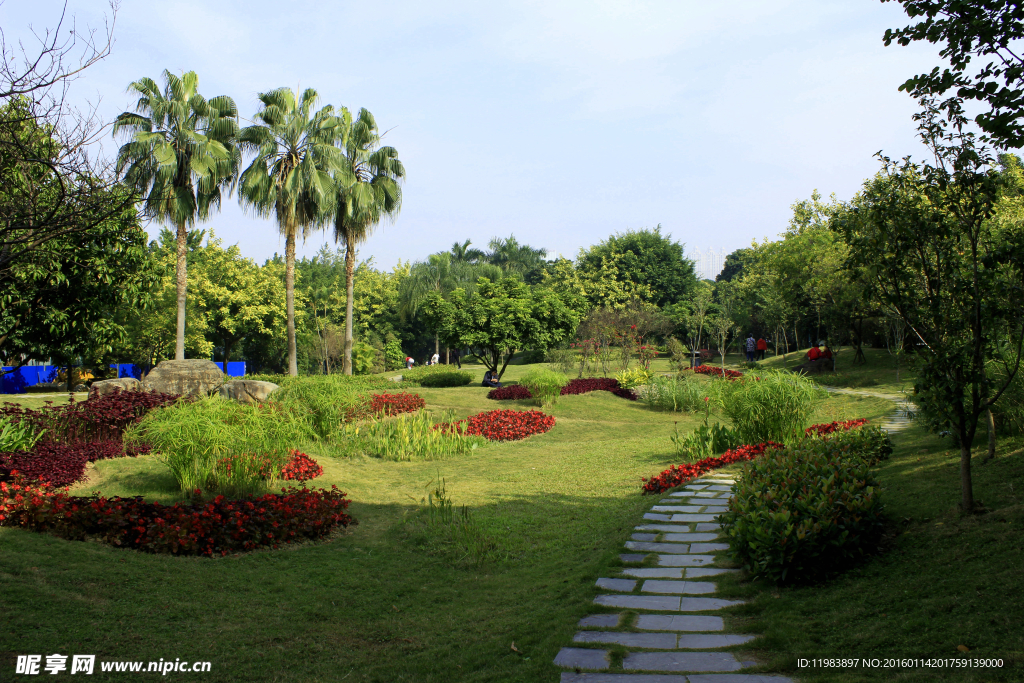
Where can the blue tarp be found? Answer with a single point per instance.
(30, 375)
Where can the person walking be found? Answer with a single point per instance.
(762, 346)
(751, 346)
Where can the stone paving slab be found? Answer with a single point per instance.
(632, 557)
(689, 518)
(684, 560)
(705, 604)
(680, 661)
(623, 585)
(666, 603)
(712, 479)
(649, 641)
(654, 516)
(711, 641)
(686, 537)
(708, 547)
(652, 573)
(708, 526)
(672, 548)
(664, 527)
(677, 508)
(719, 488)
(738, 678)
(648, 537)
(679, 622)
(706, 494)
(697, 486)
(678, 587)
(582, 658)
(600, 621)
(695, 572)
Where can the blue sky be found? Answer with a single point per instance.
(559, 121)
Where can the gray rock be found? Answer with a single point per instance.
(582, 658)
(651, 641)
(711, 641)
(622, 585)
(678, 587)
(110, 386)
(600, 621)
(190, 378)
(679, 622)
(680, 661)
(247, 390)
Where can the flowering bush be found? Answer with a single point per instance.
(217, 526)
(680, 474)
(575, 387)
(502, 425)
(715, 371)
(98, 418)
(63, 464)
(395, 404)
(823, 429)
(512, 392)
(301, 467)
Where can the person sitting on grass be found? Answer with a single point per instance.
(490, 380)
(814, 353)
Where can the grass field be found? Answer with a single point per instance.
(393, 600)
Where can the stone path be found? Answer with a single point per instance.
(895, 422)
(666, 625)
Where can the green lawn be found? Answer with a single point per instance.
(391, 600)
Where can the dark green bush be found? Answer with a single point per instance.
(449, 378)
(804, 512)
(869, 443)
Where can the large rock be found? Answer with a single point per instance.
(191, 377)
(816, 367)
(247, 390)
(109, 386)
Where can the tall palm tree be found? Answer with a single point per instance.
(461, 253)
(290, 177)
(368, 191)
(513, 257)
(180, 155)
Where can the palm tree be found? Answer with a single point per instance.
(180, 156)
(290, 176)
(461, 253)
(368, 191)
(515, 258)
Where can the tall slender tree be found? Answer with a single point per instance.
(290, 177)
(180, 156)
(368, 191)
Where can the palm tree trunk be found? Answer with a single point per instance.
(289, 297)
(350, 266)
(181, 282)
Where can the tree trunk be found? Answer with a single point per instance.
(447, 356)
(289, 297)
(181, 280)
(966, 486)
(227, 354)
(437, 345)
(991, 435)
(350, 266)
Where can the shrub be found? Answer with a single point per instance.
(416, 376)
(17, 435)
(192, 436)
(416, 437)
(830, 427)
(395, 404)
(63, 464)
(440, 380)
(803, 512)
(213, 527)
(544, 385)
(868, 443)
(507, 425)
(677, 475)
(772, 407)
(714, 371)
(704, 441)
(511, 392)
(301, 467)
(631, 379)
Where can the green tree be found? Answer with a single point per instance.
(180, 156)
(499, 319)
(647, 259)
(461, 253)
(514, 258)
(290, 177)
(368, 191)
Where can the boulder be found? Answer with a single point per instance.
(192, 377)
(109, 386)
(816, 367)
(247, 390)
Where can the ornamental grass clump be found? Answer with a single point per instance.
(544, 385)
(772, 407)
(803, 513)
(416, 436)
(326, 402)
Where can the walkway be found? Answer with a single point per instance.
(898, 420)
(668, 626)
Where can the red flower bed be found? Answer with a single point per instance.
(502, 425)
(218, 526)
(395, 404)
(573, 388)
(63, 464)
(828, 428)
(96, 419)
(301, 467)
(716, 371)
(680, 474)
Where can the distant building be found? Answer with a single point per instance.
(708, 263)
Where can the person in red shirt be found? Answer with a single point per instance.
(762, 346)
(814, 353)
